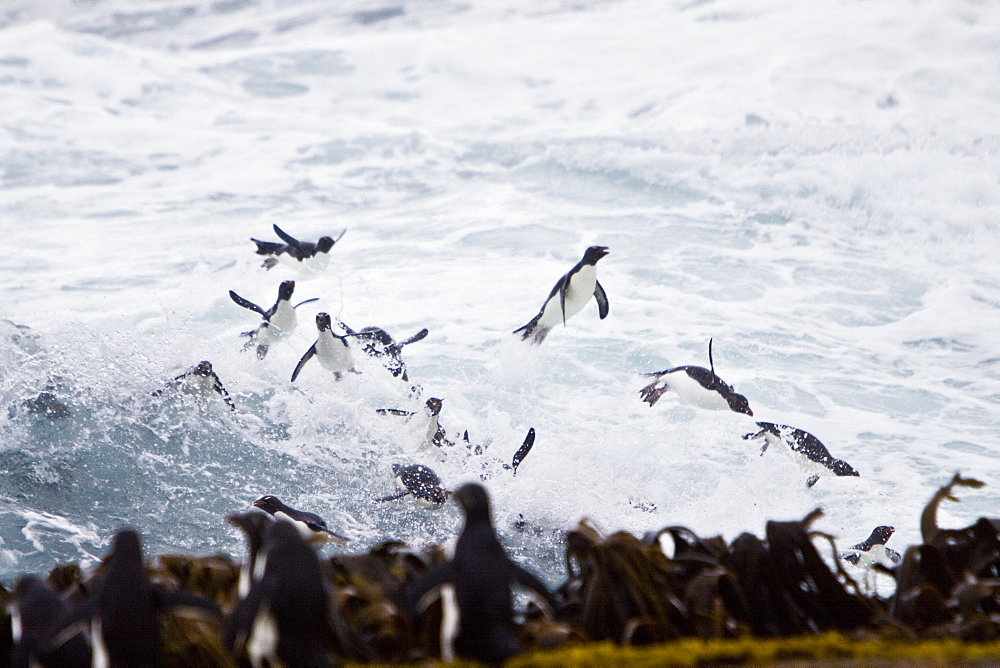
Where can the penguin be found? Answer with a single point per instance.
(201, 380)
(306, 254)
(489, 464)
(279, 320)
(254, 525)
(436, 434)
(815, 458)
(286, 617)
(697, 385)
(378, 344)
(310, 525)
(568, 297)
(35, 606)
(419, 482)
(872, 550)
(522, 452)
(330, 349)
(478, 579)
(123, 609)
(46, 404)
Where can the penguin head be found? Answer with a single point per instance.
(434, 405)
(842, 468)
(126, 548)
(323, 322)
(739, 403)
(204, 368)
(881, 535)
(594, 253)
(285, 290)
(270, 504)
(474, 501)
(324, 244)
(253, 523)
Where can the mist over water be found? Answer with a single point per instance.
(813, 186)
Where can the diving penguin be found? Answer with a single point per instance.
(314, 256)
(419, 482)
(568, 297)
(279, 320)
(697, 385)
(310, 525)
(330, 349)
(872, 550)
(478, 579)
(810, 453)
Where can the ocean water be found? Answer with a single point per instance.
(813, 185)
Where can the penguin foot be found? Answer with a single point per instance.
(261, 351)
(651, 393)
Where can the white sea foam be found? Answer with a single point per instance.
(813, 185)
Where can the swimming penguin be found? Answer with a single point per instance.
(124, 607)
(330, 349)
(815, 458)
(201, 381)
(419, 482)
(568, 297)
(478, 579)
(35, 606)
(378, 343)
(254, 524)
(285, 620)
(436, 434)
(872, 550)
(279, 320)
(696, 385)
(310, 525)
(305, 254)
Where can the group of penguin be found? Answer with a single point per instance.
(284, 615)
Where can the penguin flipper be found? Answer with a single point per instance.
(529, 581)
(268, 247)
(247, 304)
(350, 332)
(523, 451)
(852, 557)
(392, 497)
(602, 300)
(221, 390)
(414, 601)
(422, 334)
(164, 599)
(302, 362)
(286, 237)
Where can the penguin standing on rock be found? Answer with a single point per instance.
(314, 256)
(330, 349)
(279, 320)
(123, 609)
(568, 297)
(34, 608)
(286, 619)
(310, 525)
(479, 579)
(696, 385)
(810, 452)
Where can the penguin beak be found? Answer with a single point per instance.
(327, 536)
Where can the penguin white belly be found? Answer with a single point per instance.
(198, 385)
(282, 323)
(263, 641)
(876, 555)
(691, 391)
(581, 288)
(334, 354)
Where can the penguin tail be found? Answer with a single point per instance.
(269, 263)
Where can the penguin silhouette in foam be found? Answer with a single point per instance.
(478, 580)
(201, 381)
(696, 385)
(568, 297)
(809, 451)
(279, 320)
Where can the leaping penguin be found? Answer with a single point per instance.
(811, 454)
(315, 256)
(379, 344)
(310, 525)
(478, 579)
(279, 320)
(330, 349)
(123, 609)
(436, 433)
(872, 550)
(200, 381)
(421, 483)
(286, 618)
(568, 297)
(697, 385)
